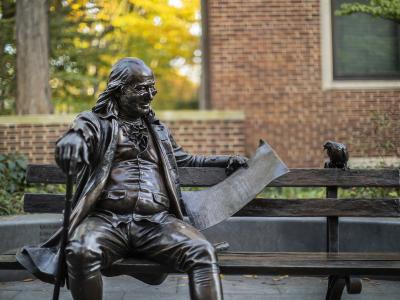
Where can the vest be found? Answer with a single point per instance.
(135, 185)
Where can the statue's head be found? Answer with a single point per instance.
(130, 89)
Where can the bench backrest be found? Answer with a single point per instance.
(203, 177)
(329, 207)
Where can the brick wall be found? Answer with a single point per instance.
(265, 59)
(198, 132)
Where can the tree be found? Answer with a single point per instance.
(33, 91)
(88, 36)
(387, 9)
(76, 53)
(164, 34)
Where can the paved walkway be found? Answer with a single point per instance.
(235, 288)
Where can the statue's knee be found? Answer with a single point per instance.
(204, 253)
(79, 255)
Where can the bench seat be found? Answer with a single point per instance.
(265, 263)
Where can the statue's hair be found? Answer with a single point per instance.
(106, 103)
(122, 73)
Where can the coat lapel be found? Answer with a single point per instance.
(160, 134)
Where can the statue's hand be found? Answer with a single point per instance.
(236, 162)
(71, 150)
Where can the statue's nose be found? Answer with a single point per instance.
(151, 93)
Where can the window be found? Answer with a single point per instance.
(358, 51)
(364, 47)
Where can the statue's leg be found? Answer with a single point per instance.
(205, 283)
(94, 245)
(180, 245)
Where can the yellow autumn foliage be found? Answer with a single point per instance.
(164, 33)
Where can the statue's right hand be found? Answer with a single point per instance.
(71, 150)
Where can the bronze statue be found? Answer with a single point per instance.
(127, 199)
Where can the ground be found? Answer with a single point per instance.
(235, 288)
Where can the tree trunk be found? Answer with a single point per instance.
(33, 90)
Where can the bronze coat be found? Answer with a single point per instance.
(101, 135)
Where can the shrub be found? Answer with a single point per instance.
(12, 183)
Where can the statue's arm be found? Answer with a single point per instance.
(77, 145)
(184, 159)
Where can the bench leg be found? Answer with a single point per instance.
(336, 285)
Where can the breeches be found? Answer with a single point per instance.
(96, 244)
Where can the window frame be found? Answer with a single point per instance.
(356, 77)
(329, 81)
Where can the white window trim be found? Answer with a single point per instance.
(328, 83)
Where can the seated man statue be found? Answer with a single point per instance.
(128, 199)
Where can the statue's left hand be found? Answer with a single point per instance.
(235, 162)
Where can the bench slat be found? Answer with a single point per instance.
(295, 178)
(49, 203)
(322, 208)
(296, 263)
(284, 263)
(8, 262)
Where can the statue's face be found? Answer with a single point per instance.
(135, 98)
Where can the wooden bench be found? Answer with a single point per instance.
(339, 266)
